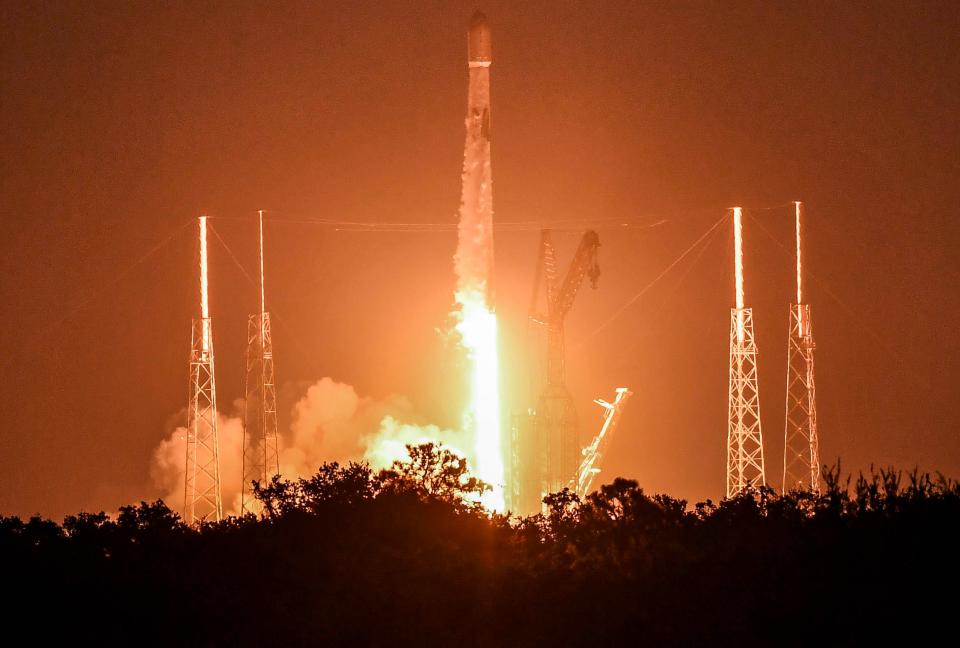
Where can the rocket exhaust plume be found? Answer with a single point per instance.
(477, 321)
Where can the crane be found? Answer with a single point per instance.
(593, 452)
(555, 420)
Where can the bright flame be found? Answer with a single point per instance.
(738, 266)
(478, 332)
(204, 286)
(799, 275)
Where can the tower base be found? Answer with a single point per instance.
(744, 436)
(801, 449)
(261, 459)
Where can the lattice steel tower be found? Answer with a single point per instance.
(801, 450)
(744, 437)
(261, 460)
(202, 480)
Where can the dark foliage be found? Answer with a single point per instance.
(398, 557)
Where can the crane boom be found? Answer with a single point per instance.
(546, 272)
(554, 444)
(594, 452)
(584, 263)
(560, 299)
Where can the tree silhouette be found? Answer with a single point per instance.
(407, 555)
(433, 472)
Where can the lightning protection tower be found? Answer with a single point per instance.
(744, 437)
(202, 481)
(261, 460)
(801, 450)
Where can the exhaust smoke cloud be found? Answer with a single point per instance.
(329, 422)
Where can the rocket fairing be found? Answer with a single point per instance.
(478, 41)
(479, 58)
(474, 259)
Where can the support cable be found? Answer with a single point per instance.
(822, 284)
(655, 281)
(95, 293)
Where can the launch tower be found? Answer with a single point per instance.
(261, 459)
(202, 481)
(744, 438)
(594, 452)
(801, 450)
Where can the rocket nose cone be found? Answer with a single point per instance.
(478, 19)
(478, 41)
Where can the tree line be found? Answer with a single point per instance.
(353, 556)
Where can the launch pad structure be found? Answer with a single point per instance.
(545, 443)
(544, 454)
(202, 480)
(261, 459)
(801, 449)
(592, 454)
(745, 467)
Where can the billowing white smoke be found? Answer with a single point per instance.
(169, 461)
(330, 422)
(390, 442)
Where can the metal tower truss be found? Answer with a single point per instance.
(556, 434)
(557, 438)
(594, 452)
(261, 459)
(744, 438)
(202, 483)
(801, 453)
(524, 491)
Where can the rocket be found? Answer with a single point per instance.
(479, 59)
(473, 263)
(474, 258)
(478, 41)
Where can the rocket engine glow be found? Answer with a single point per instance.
(477, 320)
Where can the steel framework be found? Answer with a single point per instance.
(744, 436)
(801, 452)
(524, 484)
(261, 457)
(555, 422)
(594, 452)
(801, 445)
(202, 481)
